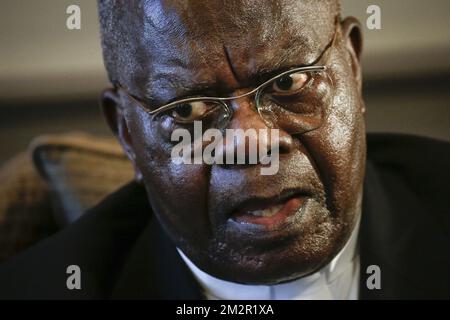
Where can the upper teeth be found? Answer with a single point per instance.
(267, 212)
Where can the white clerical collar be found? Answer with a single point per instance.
(339, 280)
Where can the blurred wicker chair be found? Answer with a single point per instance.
(54, 183)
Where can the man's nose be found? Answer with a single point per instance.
(247, 119)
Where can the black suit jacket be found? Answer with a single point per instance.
(124, 253)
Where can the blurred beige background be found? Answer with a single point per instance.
(50, 77)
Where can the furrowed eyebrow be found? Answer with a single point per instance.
(212, 90)
(284, 63)
(275, 67)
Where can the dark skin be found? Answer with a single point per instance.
(178, 48)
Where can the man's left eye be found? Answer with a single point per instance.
(188, 112)
(290, 83)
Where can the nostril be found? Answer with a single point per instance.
(286, 143)
(283, 148)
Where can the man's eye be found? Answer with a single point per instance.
(290, 83)
(188, 112)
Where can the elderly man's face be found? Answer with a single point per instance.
(174, 49)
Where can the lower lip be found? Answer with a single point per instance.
(289, 209)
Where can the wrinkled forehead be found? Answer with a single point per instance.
(173, 42)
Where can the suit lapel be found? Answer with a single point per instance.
(398, 236)
(154, 270)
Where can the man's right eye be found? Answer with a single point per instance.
(291, 83)
(189, 112)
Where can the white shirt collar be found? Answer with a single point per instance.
(339, 280)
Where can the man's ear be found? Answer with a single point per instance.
(352, 35)
(113, 112)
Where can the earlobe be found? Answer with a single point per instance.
(113, 112)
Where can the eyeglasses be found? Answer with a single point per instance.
(293, 100)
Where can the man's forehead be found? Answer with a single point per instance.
(187, 43)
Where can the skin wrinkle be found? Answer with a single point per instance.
(314, 162)
(193, 203)
(233, 73)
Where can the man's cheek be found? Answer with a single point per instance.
(337, 149)
(346, 132)
(165, 181)
(188, 184)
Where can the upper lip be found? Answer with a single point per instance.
(260, 203)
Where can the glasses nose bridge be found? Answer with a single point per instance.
(250, 94)
(254, 94)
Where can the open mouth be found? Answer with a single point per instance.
(269, 214)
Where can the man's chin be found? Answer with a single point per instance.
(267, 274)
(281, 263)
